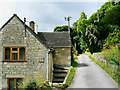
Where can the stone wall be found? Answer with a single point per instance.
(62, 57)
(13, 35)
(0, 61)
(98, 57)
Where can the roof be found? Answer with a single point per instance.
(48, 39)
(27, 27)
(55, 39)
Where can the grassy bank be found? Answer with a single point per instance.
(85, 54)
(69, 79)
(109, 70)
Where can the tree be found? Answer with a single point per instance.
(112, 15)
(93, 18)
(81, 29)
(113, 37)
(76, 38)
(61, 28)
(104, 8)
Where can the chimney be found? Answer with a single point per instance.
(32, 25)
(36, 28)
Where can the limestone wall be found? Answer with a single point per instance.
(98, 57)
(0, 61)
(62, 57)
(13, 35)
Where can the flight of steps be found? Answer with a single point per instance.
(59, 74)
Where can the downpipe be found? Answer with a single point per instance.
(47, 53)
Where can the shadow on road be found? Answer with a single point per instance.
(82, 65)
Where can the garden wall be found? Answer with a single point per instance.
(98, 57)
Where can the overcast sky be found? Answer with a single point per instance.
(46, 14)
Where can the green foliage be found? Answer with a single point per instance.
(61, 28)
(69, 79)
(64, 28)
(99, 52)
(97, 31)
(70, 76)
(92, 18)
(104, 8)
(85, 54)
(103, 30)
(32, 85)
(46, 86)
(95, 34)
(81, 23)
(111, 55)
(75, 57)
(72, 53)
(91, 33)
(87, 50)
(34, 82)
(112, 72)
(112, 15)
(74, 63)
(112, 39)
(81, 28)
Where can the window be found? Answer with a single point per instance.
(7, 53)
(14, 54)
(14, 83)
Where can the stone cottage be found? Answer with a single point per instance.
(24, 53)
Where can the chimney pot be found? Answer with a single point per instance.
(32, 25)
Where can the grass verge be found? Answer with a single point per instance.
(69, 79)
(85, 54)
(109, 70)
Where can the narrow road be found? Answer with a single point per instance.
(90, 75)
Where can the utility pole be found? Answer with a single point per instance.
(68, 19)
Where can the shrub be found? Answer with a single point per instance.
(111, 55)
(35, 82)
(74, 61)
(75, 57)
(32, 85)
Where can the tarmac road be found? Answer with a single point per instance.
(90, 75)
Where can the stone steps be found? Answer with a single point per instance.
(58, 80)
(60, 67)
(59, 71)
(59, 74)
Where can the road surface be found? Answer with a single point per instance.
(90, 75)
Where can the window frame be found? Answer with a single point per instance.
(15, 81)
(11, 52)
